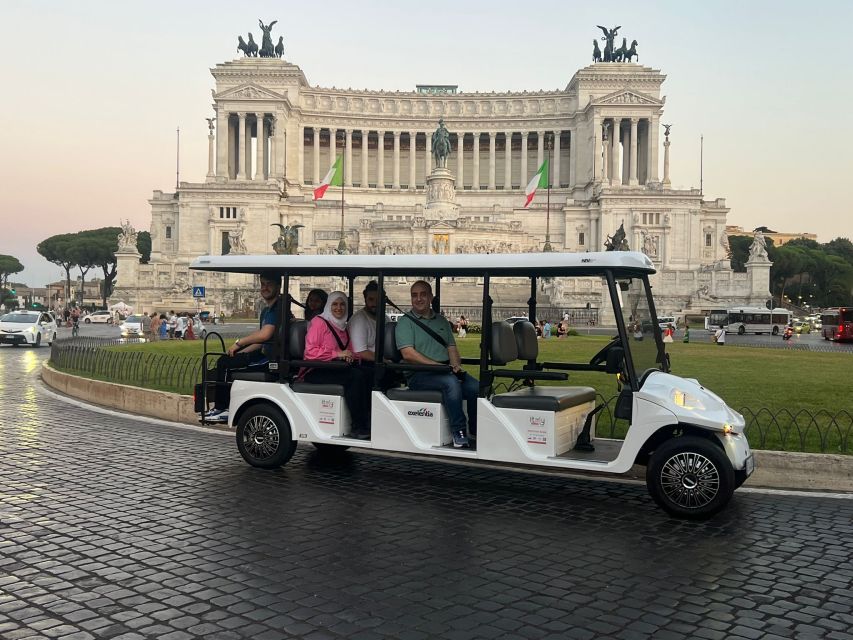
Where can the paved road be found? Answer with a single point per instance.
(112, 527)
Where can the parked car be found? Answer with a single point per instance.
(132, 327)
(27, 327)
(199, 330)
(98, 316)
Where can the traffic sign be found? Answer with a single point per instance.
(198, 292)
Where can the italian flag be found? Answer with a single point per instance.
(539, 180)
(333, 179)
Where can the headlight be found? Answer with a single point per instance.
(31, 329)
(686, 400)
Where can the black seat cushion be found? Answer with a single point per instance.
(254, 376)
(318, 389)
(525, 339)
(412, 395)
(503, 348)
(296, 338)
(545, 398)
(391, 352)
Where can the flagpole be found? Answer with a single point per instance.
(548, 247)
(342, 245)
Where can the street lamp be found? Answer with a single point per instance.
(549, 137)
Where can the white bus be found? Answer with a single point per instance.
(528, 411)
(743, 320)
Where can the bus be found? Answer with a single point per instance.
(743, 320)
(529, 412)
(837, 324)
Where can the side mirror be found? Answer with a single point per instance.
(615, 356)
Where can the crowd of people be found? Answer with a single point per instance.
(171, 326)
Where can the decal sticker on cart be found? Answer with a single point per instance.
(327, 418)
(423, 412)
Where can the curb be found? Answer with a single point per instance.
(773, 469)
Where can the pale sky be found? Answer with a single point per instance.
(94, 90)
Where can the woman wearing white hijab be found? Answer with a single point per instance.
(328, 339)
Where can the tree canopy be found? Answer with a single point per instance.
(8, 266)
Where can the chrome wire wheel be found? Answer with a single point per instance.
(261, 437)
(690, 480)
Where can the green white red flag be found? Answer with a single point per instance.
(537, 181)
(332, 179)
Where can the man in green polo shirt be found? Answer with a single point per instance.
(419, 347)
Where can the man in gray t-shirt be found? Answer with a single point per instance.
(417, 346)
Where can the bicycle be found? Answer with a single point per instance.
(75, 329)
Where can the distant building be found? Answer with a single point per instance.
(779, 237)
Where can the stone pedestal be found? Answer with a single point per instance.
(758, 279)
(441, 194)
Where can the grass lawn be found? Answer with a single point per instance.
(749, 379)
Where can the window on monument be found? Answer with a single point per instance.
(645, 218)
(582, 238)
(168, 233)
(226, 246)
(657, 218)
(707, 239)
(221, 212)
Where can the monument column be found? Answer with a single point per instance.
(666, 182)
(365, 147)
(508, 161)
(348, 157)
(556, 174)
(316, 180)
(626, 153)
(413, 155)
(211, 152)
(222, 142)
(606, 137)
(572, 162)
(632, 174)
(524, 176)
(460, 161)
(654, 126)
(396, 182)
(428, 153)
(300, 154)
(540, 148)
(247, 137)
(259, 147)
(615, 136)
(380, 159)
(241, 145)
(475, 183)
(492, 159)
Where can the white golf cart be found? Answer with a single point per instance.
(528, 413)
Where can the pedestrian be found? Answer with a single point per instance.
(164, 327)
(155, 326)
(638, 331)
(173, 323)
(668, 333)
(462, 326)
(546, 329)
(720, 336)
(686, 337)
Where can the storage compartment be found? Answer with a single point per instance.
(329, 413)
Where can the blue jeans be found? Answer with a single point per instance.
(453, 392)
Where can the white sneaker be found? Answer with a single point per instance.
(216, 415)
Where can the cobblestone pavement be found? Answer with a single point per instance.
(112, 527)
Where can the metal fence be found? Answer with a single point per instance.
(783, 430)
(89, 358)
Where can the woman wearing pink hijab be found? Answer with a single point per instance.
(328, 339)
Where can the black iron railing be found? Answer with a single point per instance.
(781, 430)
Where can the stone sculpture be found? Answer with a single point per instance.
(127, 237)
(279, 48)
(288, 239)
(618, 241)
(596, 52)
(611, 53)
(267, 49)
(609, 37)
(441, 145)
(235, 242)
(758, 248)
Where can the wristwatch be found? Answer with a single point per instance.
(237, 342)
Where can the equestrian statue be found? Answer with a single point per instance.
(441, 145)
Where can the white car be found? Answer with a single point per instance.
(98, 316)
(131, 327)
(27, 327)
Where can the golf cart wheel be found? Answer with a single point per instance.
(741, 330)
(690, 477)
(264, 438)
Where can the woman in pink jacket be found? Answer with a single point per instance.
(328, 339)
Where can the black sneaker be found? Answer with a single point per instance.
(460, 440)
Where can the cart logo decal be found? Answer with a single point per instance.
(327, 404)
(423, 412)
(537, 421)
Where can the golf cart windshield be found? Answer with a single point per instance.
(644, 336)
